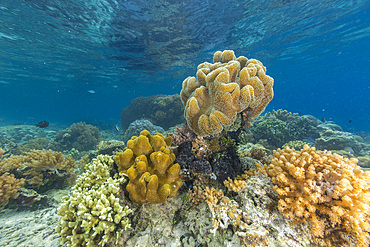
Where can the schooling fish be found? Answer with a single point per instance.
(42, 124)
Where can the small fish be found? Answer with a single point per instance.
(117, 127)
(115, 86)
(323, 120)
(350, 121)
(91, 91)
(42, 124)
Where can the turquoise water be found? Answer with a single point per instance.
(68, 61)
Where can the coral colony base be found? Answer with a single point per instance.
(214, 183)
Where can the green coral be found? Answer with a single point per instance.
(281, 114)
(80, 136)
(297, 145)
(275, 131)
(92, 215)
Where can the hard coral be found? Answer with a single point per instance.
(161, 110)
(325, 190)
(221, 90)
(92, 215)
(45, 167)
(80, 136)
(9, 186)
(40, 167)
(148, 162)
(181, 134)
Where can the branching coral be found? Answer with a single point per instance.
(37, 164)
(41, 163)
(9, 186)
(148, 162)
(92, 215)
(200, 147)
(221, 90)
(325, 190)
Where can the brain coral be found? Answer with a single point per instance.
(223, 89)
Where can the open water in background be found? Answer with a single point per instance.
(75, 60)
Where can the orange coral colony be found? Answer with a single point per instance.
(223, 89)
(325, 190)
(149, 165)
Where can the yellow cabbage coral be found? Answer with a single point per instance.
(222, 90)
(325, 190)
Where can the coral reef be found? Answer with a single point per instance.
(339, 140)
(148, 162)
(249, 218)
(328, 192)
(181, 134)
(295, 144)
(215, 157)
(137, 126)
(20, 134)
(279, 127)
(162, 110)
(9, 186)
(40, 168)
(221, 90)
(200, 148)
(92, 215)
(275, 131)
(80, 136)
(43, 168)
(38, 144)
(281, 114)
(364, 161)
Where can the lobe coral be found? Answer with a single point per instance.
(223, 89)
(148, 163)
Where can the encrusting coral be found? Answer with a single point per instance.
(92, 215)
(222, 90)
(148, 162)
(9, 186)
(328, 192)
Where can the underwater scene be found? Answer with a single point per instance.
(184, 123)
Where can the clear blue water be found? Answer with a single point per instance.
(53, 53)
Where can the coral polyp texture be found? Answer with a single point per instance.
(328, 192)
(223, 89)
(148, 162)
(9, 186)
(92, 214)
